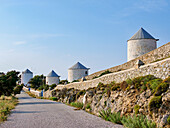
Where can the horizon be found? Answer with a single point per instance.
(44, 36)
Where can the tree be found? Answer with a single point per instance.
(37, 81)
(8, 82)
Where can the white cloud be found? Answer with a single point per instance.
(20, 42)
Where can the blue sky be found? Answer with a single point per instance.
(54, 34)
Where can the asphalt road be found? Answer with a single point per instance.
(40, 113)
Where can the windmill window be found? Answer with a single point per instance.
(86, 72)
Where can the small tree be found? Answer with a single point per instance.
(36, 81)
(8, 82)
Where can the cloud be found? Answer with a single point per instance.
(20, 42)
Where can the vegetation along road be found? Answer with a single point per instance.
(40, 113)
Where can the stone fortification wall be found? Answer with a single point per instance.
(37, 93)
(160, 69)
(159, 53)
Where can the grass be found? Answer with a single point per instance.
(136, 121)
(77, 105)
(6, 105)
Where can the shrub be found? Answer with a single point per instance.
(139, 121)
(104, 73)
(143, 88)
(44, 86)
(75, 81)
(6, 105)
(155, 103)
(53, 98)
(116, 87)
(95, 77)
(161, 89)
(142, 80)
(18, 89)
(107, 91)
(152, 84)
(100, 85)
(53, 86)
(168, 120)
(63, 81)
(105, 114)
(82, 92)
(77, 104)
(88, 106)
(123, 85)
(115, 118)
(136, 108)
(113, 83)
(129, 81)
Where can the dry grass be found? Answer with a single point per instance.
(6, 104)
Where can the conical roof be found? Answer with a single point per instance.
(27, 71)
(78, 65)
(52, 74)
(142, 34)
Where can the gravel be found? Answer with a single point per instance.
(41, 113)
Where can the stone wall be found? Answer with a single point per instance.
(160, 69)
(159, 53)
(37, 93)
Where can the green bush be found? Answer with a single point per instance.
(155, 103)
(129, 81)
(82, 92)
(142, 80)
(163, 87)
(53, 86)
(123, 85)
(53, 98)
(104, 73)
(136, 108)
(18, 89)
(63, 81)
(168, 120)
(116, 87)
(139, 121)
(115, 118)
(75, 81)
(105, 114)
(143, 88)
(152, 84)
(77, 104)
(88, 106)
(95, 77)
(44, 86)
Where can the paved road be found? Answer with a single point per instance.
(40, 113)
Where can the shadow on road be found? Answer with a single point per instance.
(27, 111)
(25, 98)
(34, 103)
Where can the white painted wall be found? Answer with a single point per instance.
(52, 80)
(76, 74)
(139, 47)
(25, 78)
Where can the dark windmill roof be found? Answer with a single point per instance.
(142, 34)
(78, 65)
(27, 71)
(52, 74)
